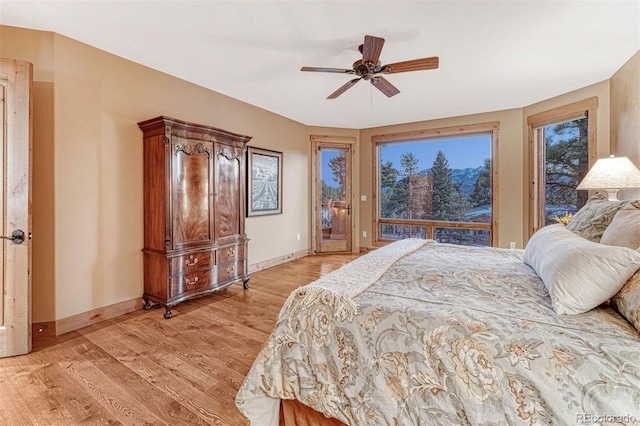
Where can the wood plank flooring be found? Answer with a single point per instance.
(140, 369)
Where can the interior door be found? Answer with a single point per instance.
(333, 209)
(15, 200)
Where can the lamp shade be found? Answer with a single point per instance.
(612, 174)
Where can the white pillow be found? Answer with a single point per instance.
(579, 274)
(624, 229)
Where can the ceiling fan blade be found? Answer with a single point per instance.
(384, 86)
(336, 70)
(371, 49)
(413, 65)
(343, 89)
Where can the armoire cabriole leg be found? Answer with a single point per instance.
(148, 304)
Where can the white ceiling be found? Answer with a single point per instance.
(494, 55)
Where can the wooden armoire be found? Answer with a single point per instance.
(194, 211)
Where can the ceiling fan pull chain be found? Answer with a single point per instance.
(371, 96)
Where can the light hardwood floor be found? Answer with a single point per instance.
(140, 369)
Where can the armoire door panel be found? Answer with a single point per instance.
(192, 193)
(229, 197)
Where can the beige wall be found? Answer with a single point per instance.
(87, 200)
(87, 195)
(625, 114)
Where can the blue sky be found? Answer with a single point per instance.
(327, 175)
(462, 152)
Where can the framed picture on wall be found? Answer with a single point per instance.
(264, 182)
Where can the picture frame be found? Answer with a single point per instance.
(264, 182)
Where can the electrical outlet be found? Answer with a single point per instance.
(512, 245)
(364, 233)
(298, 237)
(363, 198)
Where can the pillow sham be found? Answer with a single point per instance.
(627, 300)
(593, 218)
(578, 274)
(624, 229)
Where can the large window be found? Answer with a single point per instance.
(437, 184)
(562, 147)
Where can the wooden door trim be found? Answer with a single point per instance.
(332, 141)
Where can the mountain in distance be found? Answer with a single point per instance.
(467, 176)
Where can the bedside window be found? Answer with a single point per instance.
(562, 148)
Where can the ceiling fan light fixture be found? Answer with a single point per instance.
(370, 66)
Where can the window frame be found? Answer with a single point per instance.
(491, 128)
(585, 108)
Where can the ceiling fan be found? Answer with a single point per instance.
(369, 68)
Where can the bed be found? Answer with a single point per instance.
(424, 333)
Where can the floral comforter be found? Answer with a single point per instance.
(449, 335)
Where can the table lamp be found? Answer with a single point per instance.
(612, 174)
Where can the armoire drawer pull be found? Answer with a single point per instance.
(231, 252)
(229, 269)
(194, 261)
(189, 282)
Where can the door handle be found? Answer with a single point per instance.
(17, 237)
(348, 208)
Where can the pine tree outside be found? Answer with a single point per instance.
(566, 155)
(443, 185)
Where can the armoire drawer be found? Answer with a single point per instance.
(192, 262)
(230, 253)
(192, 281)
(230, 270)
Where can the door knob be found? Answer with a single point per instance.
(17, 237)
